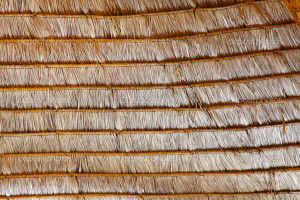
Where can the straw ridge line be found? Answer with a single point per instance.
(252, 171)
(147, 86)
(85, 15)
(149, 131)
(144, 27)
(160, 63)
(152, 195)
(95, 40)
(224, 150)
(153, 109)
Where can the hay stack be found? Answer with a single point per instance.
(149, 99)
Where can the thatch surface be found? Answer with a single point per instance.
(190, 47)
(154, 141)
(161, 185)
(290, 196)
(145, 26)
(108, 7)
(206, 96)
(149, 99)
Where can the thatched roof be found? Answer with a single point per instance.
(150, 99)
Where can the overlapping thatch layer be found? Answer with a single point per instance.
(108, 7)
(164, 24)
(149, 99)
(197, 72)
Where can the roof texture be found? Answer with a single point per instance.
(150, 99)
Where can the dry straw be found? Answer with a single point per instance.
(144, 26)
(108, 7)
(43, 120)
(221, 44)
(153, 141)
(288, 195)
(263, 195)
(150, 163)
(207, 97)
(153, 185)
(248, 67)
(149, 99)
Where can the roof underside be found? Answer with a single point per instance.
(149, 99)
